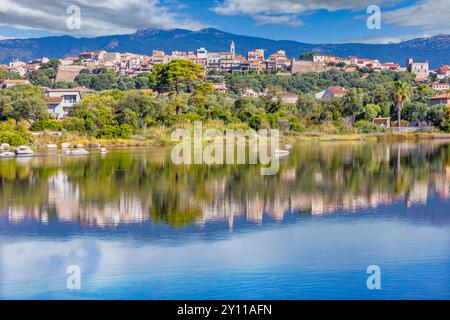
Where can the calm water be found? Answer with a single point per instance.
(141, 228)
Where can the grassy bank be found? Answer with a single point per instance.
(162, 138)
(394, 137)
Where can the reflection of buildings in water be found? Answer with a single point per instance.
(442, 184)
(127, 209)
(67, 200)
(64, 196)
(20, 213)
(69, 206)
(277, 207)
(418, 194)
(254, 208)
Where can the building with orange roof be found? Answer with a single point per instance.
(61, 101)
(443, 72)
(441, 99)
(5, 84)
(440, 86)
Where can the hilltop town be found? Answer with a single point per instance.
(311, 93)
(129, 64)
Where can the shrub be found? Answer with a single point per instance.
(255, 121)
(13, 138)
(150, 122)
(13, 134)
(41, 125)
(123, 131)
(74, 125)
(365, 126)
(445, 126)
(220, 114)
(190, 117)
(436, 115)
(297, 126)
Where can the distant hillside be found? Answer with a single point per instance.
(435, 49)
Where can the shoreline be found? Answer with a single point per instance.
(290, 138)
(392, 137)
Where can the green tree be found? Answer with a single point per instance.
(9, 75)
(370, 111)
(437, 115)
(84, 79)
(203, 88)
(307, 56)
(141, 102)
(177, 75)
(23, 102)
(353, 104)
(96, 111)
(402, 94)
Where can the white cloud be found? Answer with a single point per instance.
(382, 40)
(98, 17)
(287, 11)
(429, 16)
(290, 20)
(252, 7)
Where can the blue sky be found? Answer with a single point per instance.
(314, 21)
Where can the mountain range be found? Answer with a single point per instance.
(435, 50)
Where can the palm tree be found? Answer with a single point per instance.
(402, 93)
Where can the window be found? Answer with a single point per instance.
(70, 98)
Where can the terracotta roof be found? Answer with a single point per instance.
(16, 81)
(441, 96)
(53, 99)
(367, 60)
(337, 90)
(68, 90)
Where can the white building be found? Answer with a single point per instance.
(61, 101)
(11, 83)
(438, 86)
(202, 53)
(420, 69)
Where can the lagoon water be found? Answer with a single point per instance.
(140, 227)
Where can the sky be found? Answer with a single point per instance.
(311, 21)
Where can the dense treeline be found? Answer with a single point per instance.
(176, 94)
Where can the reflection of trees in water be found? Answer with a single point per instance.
(178, 195)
